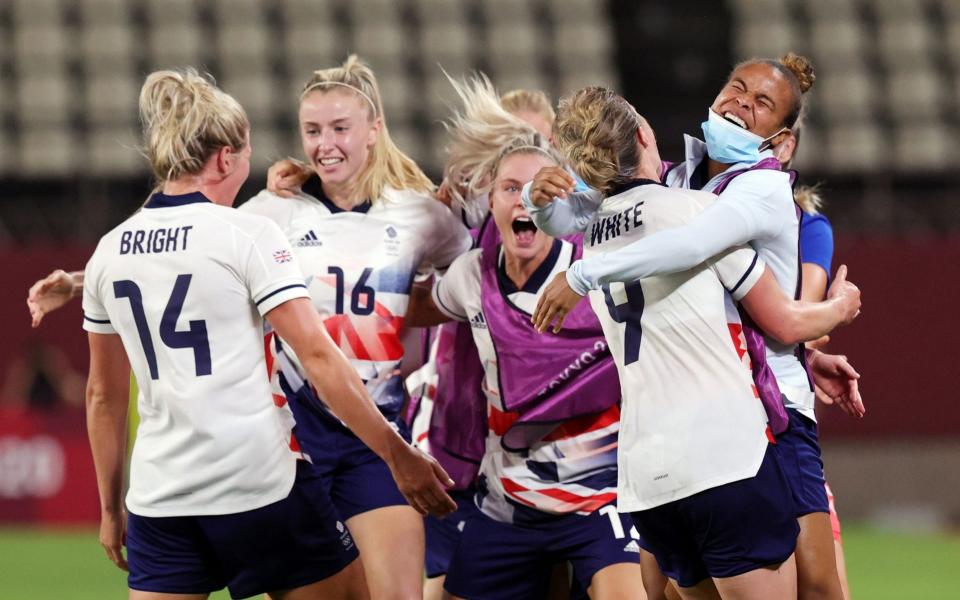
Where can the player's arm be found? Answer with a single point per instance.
(422, 311)
(107, 399)
(52, 292)
(742, 213)
(420, 478)
(554, 206)
(792, 321)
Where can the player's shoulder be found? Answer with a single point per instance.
(467, 265)
(279, 209)
(413, 201)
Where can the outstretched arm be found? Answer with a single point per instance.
(52, 292)
(420, 478)
(554, 206)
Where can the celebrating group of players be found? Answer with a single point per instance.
(658, 441)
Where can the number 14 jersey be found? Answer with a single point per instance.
(690, 419)
(185, 283)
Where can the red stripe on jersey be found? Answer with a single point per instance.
(586, 503)
(579, 425)
(344, 331)
(294, 444)
(770, 437)
(512, 488)
(739, 341)
(499, 421)
(279, 401)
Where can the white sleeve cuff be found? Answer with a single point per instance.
(278, 293)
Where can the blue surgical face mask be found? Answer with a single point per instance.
(729, 143)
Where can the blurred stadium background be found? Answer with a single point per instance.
(880, 136)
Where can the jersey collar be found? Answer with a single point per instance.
(161, 200)
(313, 187)
(620, 188)
(536, 280)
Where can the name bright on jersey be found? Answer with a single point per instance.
(607, 228)
(154, 241)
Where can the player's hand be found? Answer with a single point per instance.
(113, 536)
(847, 294)
(285, 177)
(550, 183)
(837, 382)
(818, 344)
(555, 304)
(49, 294)
(422, 481)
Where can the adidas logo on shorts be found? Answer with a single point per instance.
(310, 239)
(632, 546)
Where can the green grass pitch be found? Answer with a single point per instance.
(44, 564)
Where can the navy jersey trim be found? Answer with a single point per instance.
(444, 306)
(277, 291)
(619, 188)
(537, 279)
(97, 321)
(160, 200)
(748, 271)
(314, 187)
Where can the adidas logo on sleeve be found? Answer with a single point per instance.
(478, 321)
(310, 239)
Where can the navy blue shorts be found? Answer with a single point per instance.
(443, 535)
(358, 480)
(288, 544)
(724, 531)
(800, 455)
(498, 560)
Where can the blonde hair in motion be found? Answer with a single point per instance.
(186, 118)
(596, 130)
(482, 133)
(535, 101)
(387, 165)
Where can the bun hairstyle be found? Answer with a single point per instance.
(482, 134)
(799, 73)
(808, 198)
(596, 130)
(534, 101)
(186, 118)
(386, 166)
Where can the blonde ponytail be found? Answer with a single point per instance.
(185, 119)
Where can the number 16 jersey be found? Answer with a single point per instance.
(185, 283)
(691, 419)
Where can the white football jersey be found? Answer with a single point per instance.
(572, 469)
(691, 417)
(185, 284)
(360, 265)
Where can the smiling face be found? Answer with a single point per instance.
(521, 238)
(337, 133)
(757, 97)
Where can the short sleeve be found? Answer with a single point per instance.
(270, 270)
(816, 241)
(450, 237)
(95, 317)
(459, 287)
(738, 269)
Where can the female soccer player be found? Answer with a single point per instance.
(706, 488)
(179, 291)
(760, 102)
(545, 491)
(360, 227)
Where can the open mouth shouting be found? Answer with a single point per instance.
(524, 231)
(729, 116)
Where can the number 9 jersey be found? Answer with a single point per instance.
(691, 418)
(185, 284)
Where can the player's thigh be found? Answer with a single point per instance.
(348, 584)
(760, 584)
(621, 581)
(655, 583)
(704, 590)
(433, 588)
(816, 559)
(391, 545)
